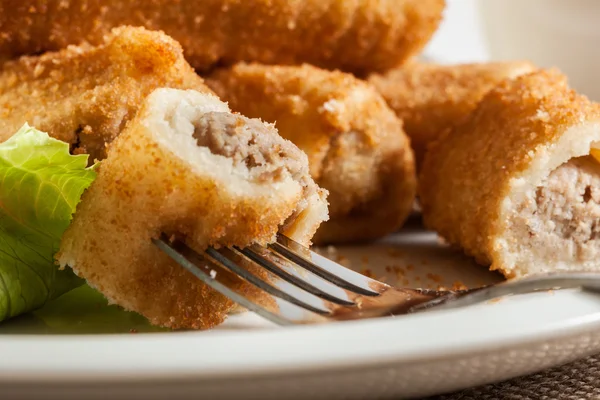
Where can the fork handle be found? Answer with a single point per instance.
(535, 283)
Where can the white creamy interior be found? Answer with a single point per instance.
(172, 120)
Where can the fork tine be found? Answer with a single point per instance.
(218, 286)
(294, 280)
(301, 261)
(258, 282)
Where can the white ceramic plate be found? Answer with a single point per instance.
(80, 348)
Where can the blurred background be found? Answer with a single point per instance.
(551, 33)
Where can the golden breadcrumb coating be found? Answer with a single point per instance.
(173, 170)
(85, 95)
(358, 36)
(476, 179)
(356, 147)
(431, 98)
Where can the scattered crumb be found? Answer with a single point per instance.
(331, 250)
(358, 302)
(394, 252)
(458, 285)
(213, 273)
(367, 272)
(344, 261)
(398, 270)
(435, 277)
(498, 300)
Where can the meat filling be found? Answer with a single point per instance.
(256, 145)
(562, 216)
(249, 142)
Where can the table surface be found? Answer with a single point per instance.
(577, 380)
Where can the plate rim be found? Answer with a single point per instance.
(83, 373)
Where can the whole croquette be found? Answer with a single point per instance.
(514, 185)
(358, 36)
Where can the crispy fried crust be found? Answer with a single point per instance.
(144, 189)
(358, 36)
(431, 98)
(514, 138)
(85, 95)
(356, 146)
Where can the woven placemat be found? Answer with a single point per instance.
(578, 380)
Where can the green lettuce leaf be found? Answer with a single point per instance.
(40, 186)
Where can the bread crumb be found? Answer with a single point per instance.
(359, 302)
(331, 250)
(458, 285)
(398, 270)
(542, 115)
(367, 272)
(395, 253)
(213, 273)
(332, 106)
(434, 277)
(344, 261)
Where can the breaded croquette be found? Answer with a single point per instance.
(356, 147)
(514, 185)
(431, 98)
(85, 95)
(357, 36)
(187, 167)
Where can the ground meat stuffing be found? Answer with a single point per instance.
(562, 216)
(251, 143)
(259, 147)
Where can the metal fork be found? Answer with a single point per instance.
(303, 287)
